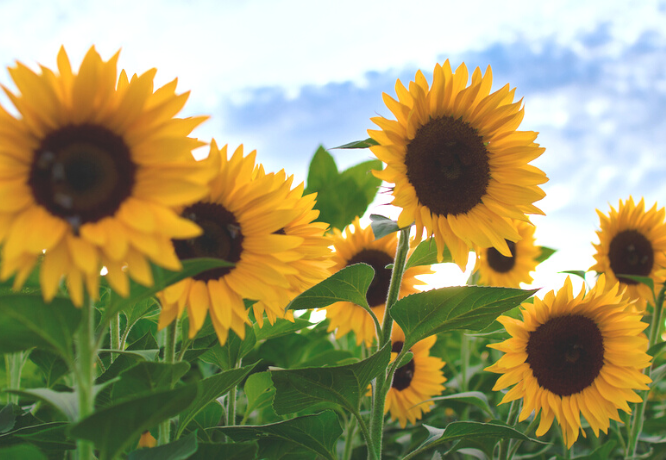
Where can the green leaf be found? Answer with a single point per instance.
(298, 389)
(369, 142)
(600, 453)
(209, 390)
(226, 451)
(148, 377)
(316, 433)
(656, 349)
(426, 254)
(52, 366)
(646, 280)
(474, 398)
(462, 307)
(52, 436)
(579, 273)
(116, 427)
(144, 355)
(137, 311)
(163, 278)
(349, 284)
(225, 357)
(127, 360)
(382, 226)
(545, 253)
(280, 328)
(22, 452)
(323, 171)
(329, 358)
(8, 417)
(27, 322)
(362, 175)
(259, 391)
(177, 450)
(467, 430)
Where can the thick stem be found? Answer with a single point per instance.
(383, 381)
(85, 372)
(115, 334)
(639, 416)
(169, 357)
(511, 421)
(231, 406)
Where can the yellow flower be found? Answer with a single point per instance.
(632, 241)
(459, 166)
(90, 171)
(146, 440)
(242, 219)
(358, 245)
(415, 382)
(574, 355)
(500, 271)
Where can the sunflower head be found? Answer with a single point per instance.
(92, 168)
(358, 245)
(632, 241)
(415, 382)
(459, 166)
(497, 270)
(573, 355)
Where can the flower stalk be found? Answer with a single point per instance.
(86, 347)
(169, 357)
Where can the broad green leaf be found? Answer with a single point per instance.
(209, 390)
(545, 253)
(147, 355)
(362, 175)
(280, 328)
(182, 449)
(329, 358)
(51, 365)
(8, 417)
(259, 391)
(27, 322)
(579, 273)
(656, 349)
(600, 453)
(147, 377)
(127, 360)
(463, 307)
(226, 451)
(349, 284)
(117, 427)
(298, 389)
(323, 171)
(426, 254)
(52, 436)
(226, 357)
(467, 430)
(163, 278)
(137, 311)
(208, 417)
(646, 280)
(364, 144)
(474, 398)
(22, 452)
(382, 226)
(317, 433)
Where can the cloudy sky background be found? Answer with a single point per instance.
(284, 76)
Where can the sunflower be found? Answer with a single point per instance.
(459, 166)
(90, 172)
(497, 270)
(359, 246)
(415, 382)
(632, 241)
(313, 257)
(242, 219)
(574, 355)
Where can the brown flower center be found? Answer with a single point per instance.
(221, 239)
(566, 354)
(404, 374)
(82, 173)
(379, 286)
(500, 263)
(631, 253)
(447, 164)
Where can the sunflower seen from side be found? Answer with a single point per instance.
(241, 220)
(497, 270)
(573, 355)
(461, 170)
(358, 245)
(92, 168)
(632, 241)
(415, 382)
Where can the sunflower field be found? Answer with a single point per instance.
(158, 307)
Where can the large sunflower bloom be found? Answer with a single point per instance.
(242, 219)
(90, 171)
(459, 166)
(497, 270)
(358, 245)
(574, 355)
(311, 261)
(632, 241)
(415, 382)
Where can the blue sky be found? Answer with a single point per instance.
(283, 77)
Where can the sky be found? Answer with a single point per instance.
(283, 77)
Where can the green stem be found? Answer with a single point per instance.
(383, 381)
(85, 372)
(639, 416)
(115, 334)
(231, 400)
(171, 331)
(366, 436)
(511, 421)
(13, 367)
(527, 432)
(464, 358)
(349, 439)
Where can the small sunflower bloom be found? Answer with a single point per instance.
(461, 170)
(632, 241)
(92, 168)
(146, 440)
(358, 245)
(500, 271)
(415, 382)
(573, 355)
